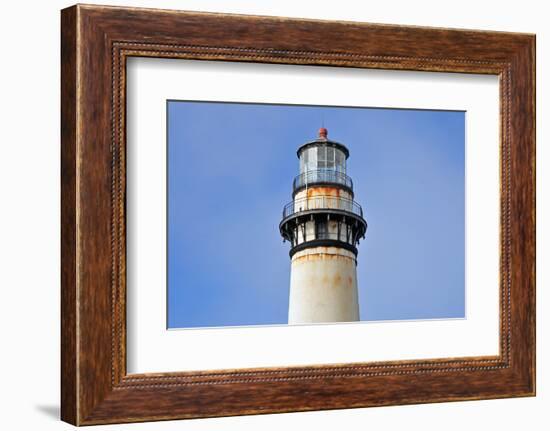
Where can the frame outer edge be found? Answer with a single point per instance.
(533, 54)
(532, 99)
(69, 303)
(529, 62)
(523, 214)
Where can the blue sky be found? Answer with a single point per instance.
(230, 171)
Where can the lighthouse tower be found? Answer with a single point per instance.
(323, 225)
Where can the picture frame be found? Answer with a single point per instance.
(96, 42)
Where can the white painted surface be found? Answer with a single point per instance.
(31, 233)
(152, 348)
(323, 286)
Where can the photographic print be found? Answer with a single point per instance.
(300, 214)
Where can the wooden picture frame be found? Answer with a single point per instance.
(95, 43)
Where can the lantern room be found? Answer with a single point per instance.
(323, 154)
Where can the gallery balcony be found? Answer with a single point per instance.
(322, 177)
(328, 221)
(322, 204)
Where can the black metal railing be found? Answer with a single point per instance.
(322, 202)
(322, 176)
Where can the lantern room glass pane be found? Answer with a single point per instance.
(304, 157)
(330, 157)
(321, 157)
(312, 159)
(340, 161)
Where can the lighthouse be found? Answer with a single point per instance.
(324, 225)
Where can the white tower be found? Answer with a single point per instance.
(323, 225)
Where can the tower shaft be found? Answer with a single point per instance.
(323, 286)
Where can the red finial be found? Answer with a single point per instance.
(323, 133)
